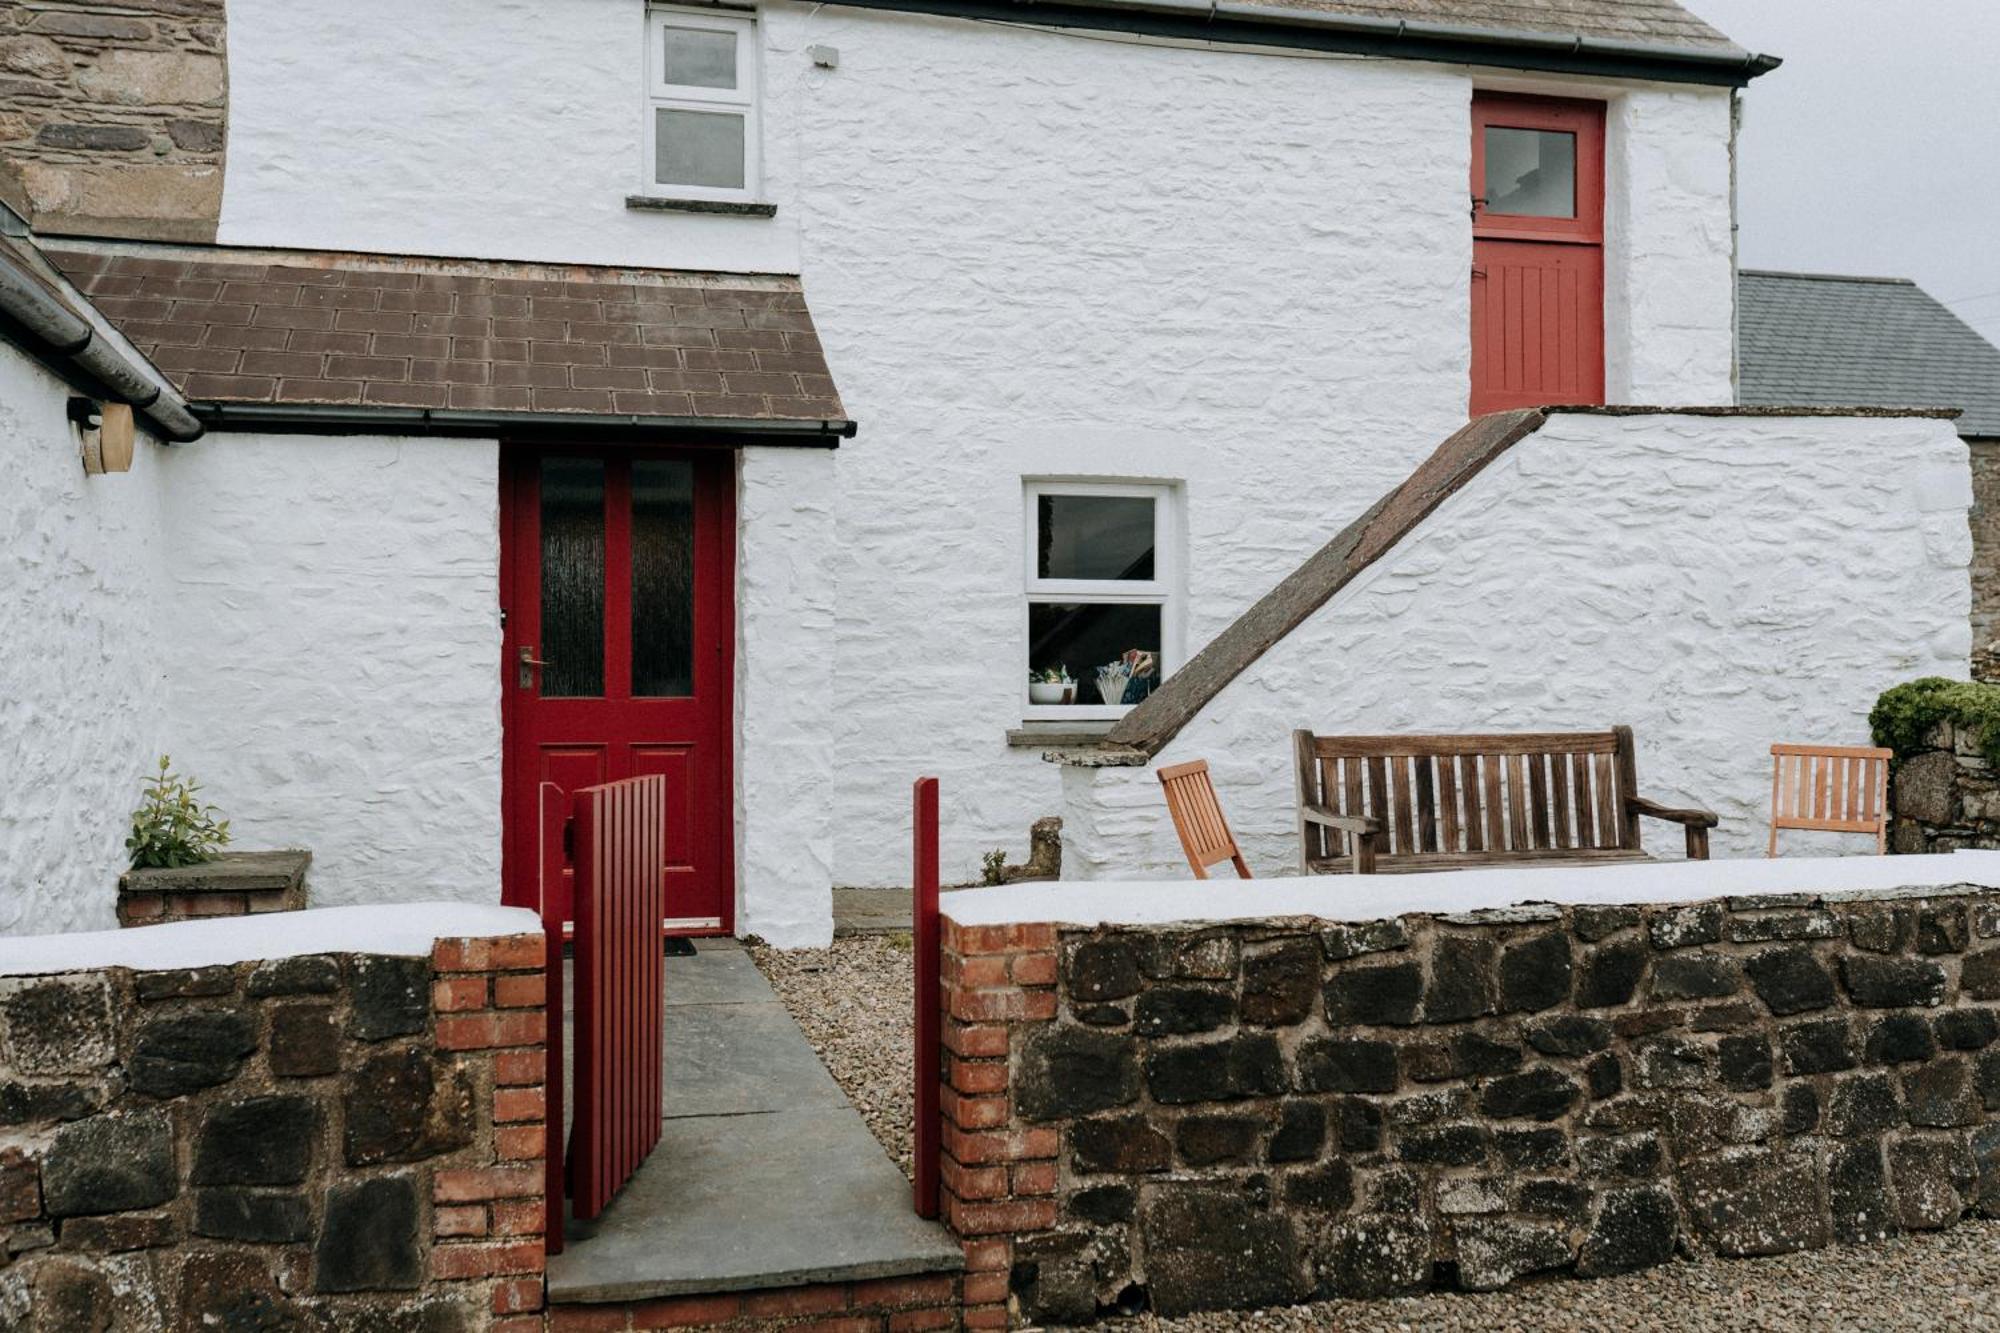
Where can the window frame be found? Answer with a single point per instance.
(744, 99)
(1163, 590)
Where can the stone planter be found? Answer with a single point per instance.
(233, 884)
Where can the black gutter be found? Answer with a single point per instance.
(1313, 30)
(336, 419)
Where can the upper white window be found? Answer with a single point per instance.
(1102, 612)
(701, 104)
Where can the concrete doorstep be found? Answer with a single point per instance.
(765, 1175)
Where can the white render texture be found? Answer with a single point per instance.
(786, 765)
(82, 687)
(1716, 583)
(330, 629)
(1030, 254)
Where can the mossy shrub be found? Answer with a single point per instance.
(1903, 717)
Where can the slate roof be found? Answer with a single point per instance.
(300, 328)
(1647, 22)
(1822, 339)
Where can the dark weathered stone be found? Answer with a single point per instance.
(1212, 1247)
(1744, 1062)
(1926, 788)
(1352, 939)
(185, 1053)
(94, 138)
(1554, 1198)
(69, 1293)
(1395, 1189)
(57, 1025)
(1442, 1145)
(1280, 983)
(118, 1233)
(1301, 1133)
(1863, 1104)
(1986, 1077)
(1984, 1194)
(1525, 1149)
(1360, 1125)
(305, 1040)
(1328, 1188)
(368, 1240)
(187, 983)
(1593, 923)
(1731, 1016)
(1126, 1143)
(1375, 1256)
(1857, 1192)
(1756, 1201)
(1338, 1064)
(1633, 1229)
(1698, 976)
(1941, 928)
(1790, 980)
(1626, 1156)
(1927, 1175)
(1103, 1205)
(234, 1291)
(1979, 975)
(1669, 1062)
(239, 1214)
(1195, 955)
(1101, 970)
(1799, 1109)
(1053, 1279)
(1898, 1039)
(1431, 1107)
(1679, 927)
(1764, 927)
(1385, 993)
(391, 996)
(1070, 1071)
(1246, 1065)
(1461, 981)
(1941, 1095)
(1604, 1075)
(1819, 1046)
(1103, 1015)
(1609, 974)
(1165, 1010)
(1535, 974)
(256, 1141)
(110, 1164)
(1699, 1123)
(1494, 1251)
(1966, 1029)
(1568, 1034)
(23, 1103)
(1880, 929)
(1892, 983)
(403, 1105)
(1210, 1140)
(314, 974)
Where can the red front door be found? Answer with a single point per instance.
(1537, 252)
(618, 577)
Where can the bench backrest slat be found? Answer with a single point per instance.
(1829, 788)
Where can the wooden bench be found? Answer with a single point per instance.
(1399, 804)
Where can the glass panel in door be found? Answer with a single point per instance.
(572, 567)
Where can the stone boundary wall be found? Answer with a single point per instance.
(1266, 1112)
(336, 1140)
(1946, 796)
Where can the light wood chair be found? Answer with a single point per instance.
(1831, 789)
(1204, 833)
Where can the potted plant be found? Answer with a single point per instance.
(1050, 685)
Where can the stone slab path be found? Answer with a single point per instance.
(765, 1176)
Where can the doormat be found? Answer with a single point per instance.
(674, 946)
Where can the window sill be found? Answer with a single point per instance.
(646, 203)
(1034, 735)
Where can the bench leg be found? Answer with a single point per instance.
(1697, 840)
(1364, 853)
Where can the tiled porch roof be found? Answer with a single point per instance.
(337, 330)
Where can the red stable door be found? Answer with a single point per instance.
(1537, 252)
(618, 577)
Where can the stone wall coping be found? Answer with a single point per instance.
(403, 929)
(228, 872)
(1503, 892)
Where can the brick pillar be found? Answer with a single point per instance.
(489, 997)
(998, 1175)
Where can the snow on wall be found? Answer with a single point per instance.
(330, 628)
(1717, 583)
(82, 713)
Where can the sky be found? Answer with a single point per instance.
(1875, 147)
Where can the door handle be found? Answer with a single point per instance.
(528, 663)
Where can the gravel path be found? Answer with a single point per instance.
(853, 1003)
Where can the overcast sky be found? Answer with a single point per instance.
(1875, 147)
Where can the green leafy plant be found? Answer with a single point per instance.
(1903, 717)
(172, 827)
(991, 865)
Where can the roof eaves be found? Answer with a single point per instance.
(344, 418)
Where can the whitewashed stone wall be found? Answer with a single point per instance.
(82, 707)
(1717, 583)
(1030, 254)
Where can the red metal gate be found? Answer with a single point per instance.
(617, 849)
(930, 994)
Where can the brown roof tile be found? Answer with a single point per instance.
(235, 326)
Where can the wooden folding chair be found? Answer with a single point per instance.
(1830, 788)
(1204, 833)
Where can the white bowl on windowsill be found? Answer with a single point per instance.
(1047, 692)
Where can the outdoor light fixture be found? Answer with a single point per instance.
(106, 433)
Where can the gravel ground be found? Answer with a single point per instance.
(853, 1002)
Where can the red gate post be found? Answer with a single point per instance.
(555, 907)
(927, 948)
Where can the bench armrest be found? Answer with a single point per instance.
(1639, 805)
(1319, 814)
